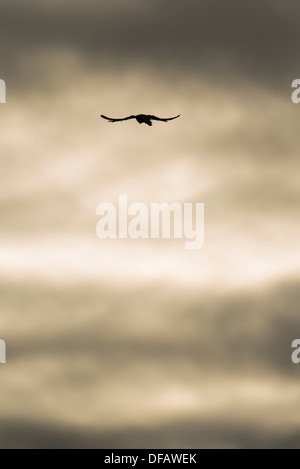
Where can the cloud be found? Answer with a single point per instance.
(93, 328)
(202, 369)
(220, 41)
(204, 434)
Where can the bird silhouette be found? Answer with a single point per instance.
(141, 118)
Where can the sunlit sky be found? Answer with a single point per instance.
(133, 342)
(61, 160)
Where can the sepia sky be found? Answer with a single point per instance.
(126, 343)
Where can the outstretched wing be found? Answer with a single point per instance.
(110, 119)
(163, 119)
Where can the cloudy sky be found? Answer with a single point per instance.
(126, 343)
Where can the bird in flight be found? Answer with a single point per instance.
(141, 118)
